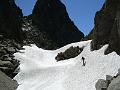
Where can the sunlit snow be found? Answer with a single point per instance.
(40, 71)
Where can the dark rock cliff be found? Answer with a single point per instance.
(107, 27)
(10, 20)
(51, 17)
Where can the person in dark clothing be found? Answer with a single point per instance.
(103, 88)
(83, 60)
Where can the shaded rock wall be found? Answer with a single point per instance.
(107, 27)
(10, 20)
(51, 17)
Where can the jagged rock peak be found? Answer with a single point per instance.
(51, 17)
(107, 27)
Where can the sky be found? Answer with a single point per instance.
(81, 12)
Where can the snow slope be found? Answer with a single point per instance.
(40, 71)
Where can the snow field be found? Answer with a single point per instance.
(40, 71)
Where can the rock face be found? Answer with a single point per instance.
(10, 20)
(51, 17)
(107, 27)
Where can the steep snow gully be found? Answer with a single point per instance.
(40, 71)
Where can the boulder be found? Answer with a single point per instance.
(10, 49)
(6, 64)
(2, 51)
(101, 84)
(6, 57)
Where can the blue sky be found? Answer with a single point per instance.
(82, 12)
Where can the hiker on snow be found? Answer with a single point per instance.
(83, 60)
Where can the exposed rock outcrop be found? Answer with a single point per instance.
(51, 17)
(107, 27)
(69, 53)
(111, 82)
(10, 20)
